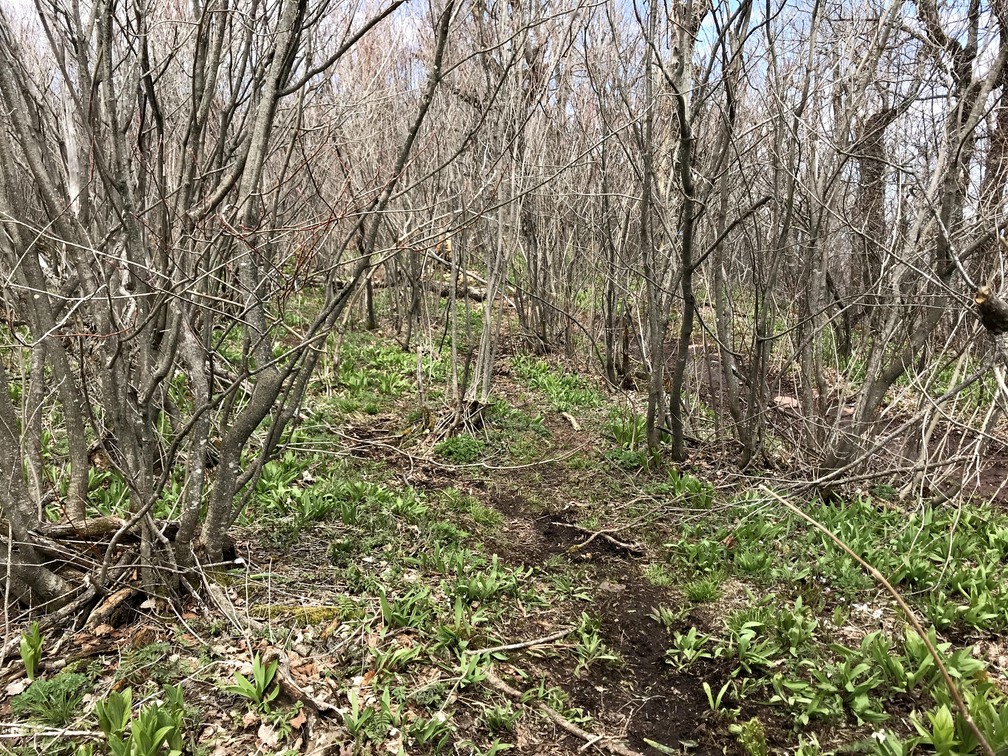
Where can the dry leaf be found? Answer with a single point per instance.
(268, 736)
(395, 742)
(306, 670)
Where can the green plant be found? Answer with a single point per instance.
(805, 701)
(751, 737)
(751, 562)
(411, 610)
(107, 491)
(523, 450)
(658, 574)
(408, 506)
(696, 492)
(641, 458)
(115, 712)
(589, 647)
(456, 634)
(989, 709)
(704, 555)
(751, 646)
(687, 648)
(668, 617)
(391, 707)
(157, 726)
(703, 590)
(54, 701)
(471, 669)
(462, 449)
(433, 732)
(714, 702)
(564, 391)
(485, 584)
(939, 731)
(442, 532)
(495, 748)
(261, 689)
(501, 717)
(627, 429)
(394, 659)
(483, 515)
(888, 744)
(570, 586)
(841, 613)
(357, 718)
(854, 681)
(796, 626)
(446, 559)
(31, 649)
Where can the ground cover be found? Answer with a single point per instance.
(545, 585)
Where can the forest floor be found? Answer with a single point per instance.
(543, 586)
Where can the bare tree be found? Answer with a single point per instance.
(160, 238)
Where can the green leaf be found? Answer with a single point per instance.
(659, 747)
(942, 728)
(243, 687)
(114, 712)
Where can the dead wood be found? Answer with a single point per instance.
(290, 688)
(604, 535)
(606, 743)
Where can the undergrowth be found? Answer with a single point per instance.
(412, 589)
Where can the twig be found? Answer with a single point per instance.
(838, 475)
(610, 744)
(525, 644)
(7, 587)
(219, 598)
(604, 535)
(571, 419)
(21, 730)
(910, 615)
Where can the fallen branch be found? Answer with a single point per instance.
(96, 527)
(610, 744)
(290, 688)
(21, 730)
(604, 535)
(525, 644)
(58, 620)
(105, 612)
